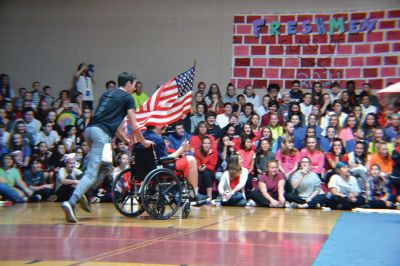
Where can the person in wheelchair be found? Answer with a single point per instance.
(185, 164)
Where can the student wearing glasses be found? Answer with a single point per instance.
(306, 188)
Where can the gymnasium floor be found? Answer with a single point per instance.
(37, 234)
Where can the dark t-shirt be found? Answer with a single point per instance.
(34, 179)
(113, 107)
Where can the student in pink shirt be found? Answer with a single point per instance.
(288, 157)
(316, 156)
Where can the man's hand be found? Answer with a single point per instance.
(185, 145)
(147, 143)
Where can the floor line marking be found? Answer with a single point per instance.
(150, 242)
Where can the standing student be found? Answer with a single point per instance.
(113, 106)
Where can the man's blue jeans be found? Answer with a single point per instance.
(96, 139)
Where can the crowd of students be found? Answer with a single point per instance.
(329, 147)
(290, 148)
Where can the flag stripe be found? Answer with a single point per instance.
(167, 104)
(160, 120)
(163, 110)
(160, 113)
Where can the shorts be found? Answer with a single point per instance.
(182, 165)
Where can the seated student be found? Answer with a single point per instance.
(273, 109)
(378, 137)
(238, 108)
(392, 131)
(254, 123)
(326, 143)
(276, 128)
(284, 107)
(232, 183)
(36, 180)
(383, 159)
(247, 154)
(346, 133)
(187, 164)
(67, 179)
(178, 136)
(225, 150)
(306, 188)
(315, 154)
(263, 156)
(344, 189)
(263, 108)
(378, 191)
(246, 133)
(336, 154)
(216, 104)
(222, 120)
(288, 157)
(313, 122)
(265, 133)
(271, 188)
(357, 161)
(288, 131)
(47, 135)
(206, 157)
(14, 186)
(245, 116)
(197, 117)
(299, 132)
(199, 134)
(213, 129)
(359, 135)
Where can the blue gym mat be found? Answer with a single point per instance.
(362, 239)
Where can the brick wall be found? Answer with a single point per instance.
(365, 56)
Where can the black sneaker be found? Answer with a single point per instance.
(69, 212)
(84, 203)
(35, 198)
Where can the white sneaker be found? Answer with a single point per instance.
(288, 205)
(251, 203)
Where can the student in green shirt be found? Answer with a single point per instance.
(139, 96)
(11, 176)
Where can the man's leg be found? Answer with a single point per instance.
(98, 138)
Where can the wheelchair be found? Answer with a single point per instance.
(151, 185)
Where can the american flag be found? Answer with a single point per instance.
(166, 105)
(169, 102)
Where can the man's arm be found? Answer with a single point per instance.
(135, 129)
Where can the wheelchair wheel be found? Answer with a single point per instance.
(185, 210)
(125, 194)
(161, 194)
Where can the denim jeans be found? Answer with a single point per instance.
(9, 193)
(96, 139)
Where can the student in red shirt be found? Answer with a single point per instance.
(199, 133)
(248, 155)
(336, 155)
(316, 156)
(207, 158)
